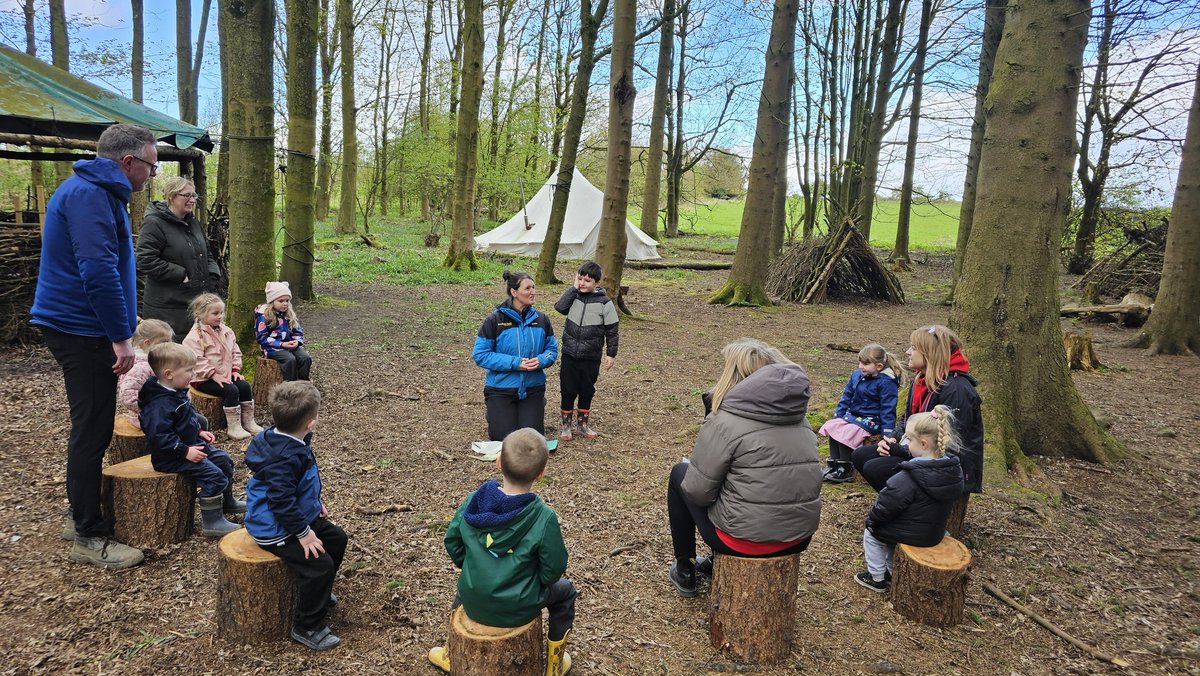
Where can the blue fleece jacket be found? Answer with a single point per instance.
(870, 402)
(87, 278)
(284, 495)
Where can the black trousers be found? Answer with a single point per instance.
(295, 364)
(875, 468)
(212, 475)
(232, 394)
(559, 602)
(686, 518)
(577, 378)
(92, 395)
(314, 576)
(839, 451)
(506, 413)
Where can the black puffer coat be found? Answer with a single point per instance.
(914, 506)
(170, 249)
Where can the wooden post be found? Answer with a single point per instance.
(1080, 355)
(209, 407)
(929, 584)
(753, 613)
(477, 649)
(267, 375)
(149, 508)
(128, 442)
(958, 514)
(256, 593)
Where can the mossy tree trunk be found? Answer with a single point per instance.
(298, 219)
(137, 70)
(1006, 305)
(613, 240)
(1174, 326)
(466, 149)
(658, 117)
(223, 147)
(328, 46)
(347, 222)
(248, 41)
(36, 175)
(60, 56)
(423, 103)
(749, 272)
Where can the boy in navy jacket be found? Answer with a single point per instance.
(285, 514)
(178, 444)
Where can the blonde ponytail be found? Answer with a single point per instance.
(936, 426)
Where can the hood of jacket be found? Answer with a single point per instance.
(502, 520)
(941, 478)
(528, 317)
(152, 391)
(270, 447)
(161, 210)
(107, 174)
(777, 394)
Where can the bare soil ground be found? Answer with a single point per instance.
(1111, 559)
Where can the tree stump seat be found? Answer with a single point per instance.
(929, 584)
(958, 514)
(128, 441)
(208, 406)
(267, 375)
(150, 509)
(753, 612)
(477, 649)
(256, 592)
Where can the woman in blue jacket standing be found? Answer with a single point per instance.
(515, 344)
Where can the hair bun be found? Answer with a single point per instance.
(507, 275)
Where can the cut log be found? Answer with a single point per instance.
(1080, 354)
(209, 407)
(958, 514)
(479, 649)
(127, 443)
(256, 593)
(1133, 310)
(753, 613)
(149, 508)
(929, 584)
(267, 375)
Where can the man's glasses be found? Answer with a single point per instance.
(152, 165)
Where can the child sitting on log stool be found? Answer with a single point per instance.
(219, 365)
(177, 443)
(591, 323)
(279, 333)
(510, 548)
(915, 504)
(286, 516)
(867, 407)
(149, 332)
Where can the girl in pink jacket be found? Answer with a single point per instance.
(219, 365)
(150, 332)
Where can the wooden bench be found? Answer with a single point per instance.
(929, 584)
(477, 649)
(256, 592)
(128, 441)
(753, 613)
(267, 375)
(149, 509)
(208, 406)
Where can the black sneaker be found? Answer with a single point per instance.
(704, 566)
(830, 468)
(685, 582)
(879, 586)
(317, 639)
(842, 474)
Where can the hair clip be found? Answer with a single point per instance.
(934, 413)
(933, 330)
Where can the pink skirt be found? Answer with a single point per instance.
(844, 432)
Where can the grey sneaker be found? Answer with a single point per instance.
(105, 552)
(68, 533)
(317, 639)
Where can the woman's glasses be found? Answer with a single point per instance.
(188, 196)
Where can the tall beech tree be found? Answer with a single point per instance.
(610, 246)
(900, 257)
(300, 214)
(347, 221)
(60, 55)
(327, 43)
(187, 68)
(1174, 326)
(466, 149)
(1006, 304)
(658, 116)
(246, 39)
(749, 272)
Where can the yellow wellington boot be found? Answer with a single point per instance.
(558, 660)
(440, 656)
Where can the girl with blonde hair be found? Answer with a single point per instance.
(867, 407)
(218, 369)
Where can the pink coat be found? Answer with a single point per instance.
(131, 383)
(218, 356)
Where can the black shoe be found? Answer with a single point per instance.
(332, 599)
(842, 474)
(685, 582)
(830, 468)
(879, 586)
(704, 566)
(317, 639)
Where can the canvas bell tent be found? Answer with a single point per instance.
(581, 229)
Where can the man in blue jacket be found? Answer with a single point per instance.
(86, 307)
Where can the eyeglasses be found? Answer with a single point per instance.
(188, 195)
(153, 166)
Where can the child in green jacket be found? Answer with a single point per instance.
(510, 549)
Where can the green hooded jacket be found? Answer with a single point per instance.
(510, 550)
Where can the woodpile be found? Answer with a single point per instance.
(841, 265)
(479, 649)
(753, 613)
(1136, 265)
(20, 252)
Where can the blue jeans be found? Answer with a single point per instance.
(212, 475)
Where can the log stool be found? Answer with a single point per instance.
(209, 407)
(256, 593)
(753, 611)
(479, 649)
(958, 514)
(929, 584)
(128, 442)
(149, 508)
(267, 375)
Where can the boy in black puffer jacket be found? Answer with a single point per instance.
(591, 322)
(915, 504)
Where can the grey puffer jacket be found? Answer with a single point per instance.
(755, 464)
(169, 250)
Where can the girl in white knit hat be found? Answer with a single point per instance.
(279, 332)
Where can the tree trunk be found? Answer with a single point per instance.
(589, 26)
(504, 10)
(348, 191)
(675, 160)
(424, 104)
(900, 252)
(60, 54)
(479, 650)
(328, 44)
(150, 509)
(466, 149)
(36, 176)
(746, 279)
(1093, 176)
(183, 60)
(137, 62)
(993, 28)
(128, 442)
(256, 592)
(248, 42)
(658, 114)
(1006, 305)
(779, 197)
(930, 583)
(223, 148)
(876, 119)
(753, 614)
(300, 213)
(1174, 326)
(610, 247)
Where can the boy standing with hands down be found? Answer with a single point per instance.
(285, 514)
(591, 323)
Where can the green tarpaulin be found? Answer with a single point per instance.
(37, 98)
